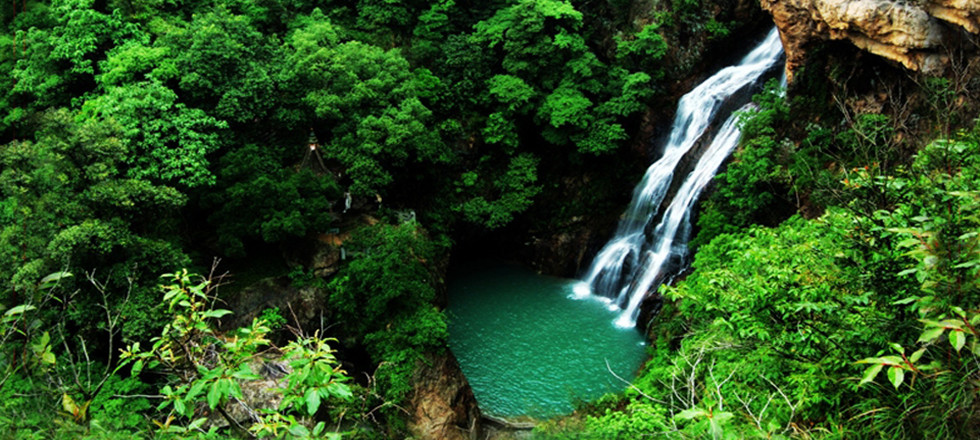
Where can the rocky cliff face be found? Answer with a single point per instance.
(912, 33)
(442, 406)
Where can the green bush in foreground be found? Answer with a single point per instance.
(206, 371)
(51, 388)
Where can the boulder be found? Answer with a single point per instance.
(307, 304)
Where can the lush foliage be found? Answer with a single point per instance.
(386, 294)
(284, 203)
(547, 72)
(73, 198)
(351, 142)
(207, 371)
(52, 384)
(860, 323)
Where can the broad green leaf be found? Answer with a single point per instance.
(227, 388)
(234, 390)
(299, 430)
(886, 360)
(719, 419)
(909, 242)
(904, 301)
(207, 374)
(341, 390)
(137, 367)
(312, 400)
(897, 347)
(68, 404)
(196, 389)
(907, 272)
(214, 395)
(690, 413)
(55, 277)
(42, 342)
(917, 355)
(892, 360)
(179, 406)
(217, 313)
(896, 375)
(19, 309)
(870, 373)
(245, 374)
(957, 339)
(197, 423)
(931, 334)
(952, 324)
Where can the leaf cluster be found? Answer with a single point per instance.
(206, 370)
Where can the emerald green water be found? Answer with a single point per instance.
(527, 348)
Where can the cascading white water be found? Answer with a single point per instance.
(637, 258)
(673, 232)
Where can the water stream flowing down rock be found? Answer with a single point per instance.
(648, 248)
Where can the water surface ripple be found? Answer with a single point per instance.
(527, 348)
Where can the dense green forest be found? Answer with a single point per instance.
(158, 158)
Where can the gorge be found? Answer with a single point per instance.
(522, 364)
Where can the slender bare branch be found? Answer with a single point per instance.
(630, 384)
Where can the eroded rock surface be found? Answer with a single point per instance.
(911, 33)
(443, 406)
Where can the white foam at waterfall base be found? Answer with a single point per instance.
(644, 257)
(581, 290)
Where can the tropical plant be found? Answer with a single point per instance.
(206, 370)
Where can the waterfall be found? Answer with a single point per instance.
(642, 255)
